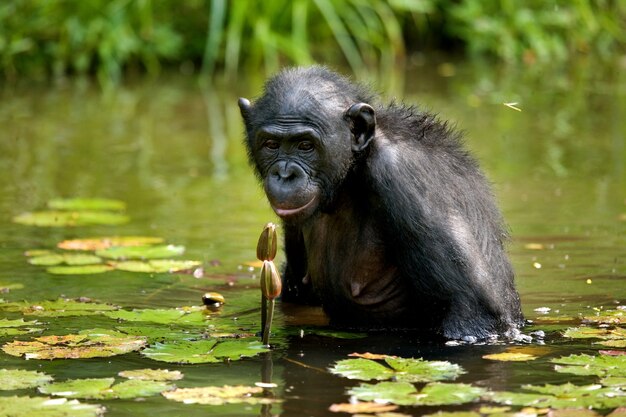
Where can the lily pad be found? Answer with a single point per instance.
(152, 374)
(70, 218)
(400, 369)
(17, 327)
(66, 258)
(104, 388)
(11, 379)
(79, 270)
(404, 393)
(607, 317)
(204, 351)
(583, 332)
(98, 243)
(92, 343)
(562, 396)
(48, 407)
(510, 357)
(141, 252)
(80, 204)
(159, 333)
(219, 395)
(602, 365)
(194, 316)
(61, 307)
(156, 266)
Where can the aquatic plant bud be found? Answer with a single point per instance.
(266, 248)
(271, 285)
(213, 299)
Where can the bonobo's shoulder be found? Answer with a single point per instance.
(409, 123)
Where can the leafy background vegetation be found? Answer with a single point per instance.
(110, 38)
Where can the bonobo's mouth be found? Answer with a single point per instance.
(292, 212)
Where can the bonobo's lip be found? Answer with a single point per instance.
(284, 213)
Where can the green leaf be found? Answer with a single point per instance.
(11, 379)
(152, 374)
(401, 369)
(602, 365)
(219, 395)
(15, 327)
(607, 317)
(363, 369)
(562, 396)
(159, 333)
(104, 389)
(69, 259)
(98, 243)
(614, 381)
(47, 407)
(141, 252)
(204, 351)
(87, 344)
(437, 393)
(61, 307)
(156, 266)
(584, 332)
(401, 393)
(80, 204)
(194, 316)
(70, 218)
(79, 270)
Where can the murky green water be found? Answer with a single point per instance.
(173, 152)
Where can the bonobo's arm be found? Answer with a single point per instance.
(446, 234)
(296, 288)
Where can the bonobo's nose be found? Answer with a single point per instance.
(285, 171)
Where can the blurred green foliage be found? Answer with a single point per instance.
(39, 38)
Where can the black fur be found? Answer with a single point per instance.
(389, 222)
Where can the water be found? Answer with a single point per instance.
(173, 152)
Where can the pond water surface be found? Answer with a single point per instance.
(173, 152)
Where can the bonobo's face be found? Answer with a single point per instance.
(302, 136)
(300, 156)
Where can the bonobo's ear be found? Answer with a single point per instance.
(363, 125)
(244, 107)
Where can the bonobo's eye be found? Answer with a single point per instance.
(305, 145)
(271, 144)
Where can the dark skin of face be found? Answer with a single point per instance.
(388, 222)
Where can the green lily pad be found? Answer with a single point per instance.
(159, 333)
(98, 243)
(156, 266)
(17, 327)
(401, 369)
(11, 379)
(219, 395)
(562, 396)
(6, 287)
(614, 381)
(80, 204)
(66, 258)
(79, 270)
(584, 332)
(192, 316)
(38, 252)
(141, 252)
(204, 351)
(61, 307)
(70, 218)
(510, 357)
(47, 407)
(607, 317)
(104, 388)
(92, 343)
(152, 374)
(404, 393)
(602, 365)
(454, 414)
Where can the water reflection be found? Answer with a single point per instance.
(173, 151)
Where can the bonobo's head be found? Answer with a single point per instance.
(305, 135)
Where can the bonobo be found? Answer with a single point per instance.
(388, 222)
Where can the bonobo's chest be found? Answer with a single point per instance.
(352, 271)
